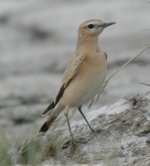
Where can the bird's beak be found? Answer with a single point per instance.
(107, 24)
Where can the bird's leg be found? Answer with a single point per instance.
(69, 127)
(79, 108)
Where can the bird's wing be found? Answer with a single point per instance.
(69, 74)
(72, 69)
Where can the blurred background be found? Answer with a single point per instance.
(37, 39)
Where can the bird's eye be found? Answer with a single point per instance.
(90, 26)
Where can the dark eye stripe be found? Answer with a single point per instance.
(90, 26)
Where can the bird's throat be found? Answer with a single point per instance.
(88, 43)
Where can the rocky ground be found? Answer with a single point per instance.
(121, 138)
(37, 38)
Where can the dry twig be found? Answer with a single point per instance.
(144, 83)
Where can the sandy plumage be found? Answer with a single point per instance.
(84, 75)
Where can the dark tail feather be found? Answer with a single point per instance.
(46, 125)
(51, 119)
(44, 128)
(51, 106)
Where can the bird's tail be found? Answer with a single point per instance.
(50, 107)
(51, 119)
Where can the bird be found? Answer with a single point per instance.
(84, 76)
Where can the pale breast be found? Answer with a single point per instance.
(87, 82)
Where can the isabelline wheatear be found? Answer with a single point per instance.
(83, 77)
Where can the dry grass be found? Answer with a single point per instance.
(5, 156)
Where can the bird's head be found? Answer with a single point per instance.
(93, 27)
